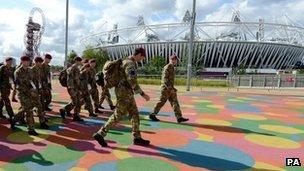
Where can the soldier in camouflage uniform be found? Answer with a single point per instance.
(46, 83)
(125, 100)
(26, 89)
(6, 80)
(168, 92)
(73, 86)
(36, 100)
(92, 85)
(85, 89)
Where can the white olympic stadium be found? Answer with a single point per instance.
(217, 45)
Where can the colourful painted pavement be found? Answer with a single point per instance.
(227, 131)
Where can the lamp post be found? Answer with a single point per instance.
(66, 33)
(190, 46)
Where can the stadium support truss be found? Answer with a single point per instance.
(256, 45)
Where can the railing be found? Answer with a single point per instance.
(267, 81)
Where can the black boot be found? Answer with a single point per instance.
(44, 126)
(181, 119)
(92, 115)
(112, 107)
(32, 132)
(22, 121)
(67, 113)
(140, 141)
(100, 140)
(97, 110)
(153, 118)
(77, 118)
(12, 123)
(47, 109)
(62, 113)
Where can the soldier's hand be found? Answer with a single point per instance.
(146, 97)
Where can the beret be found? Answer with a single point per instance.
(8, 59)
(77, 58)
(25, 58)
(38, 59)
(48, 56)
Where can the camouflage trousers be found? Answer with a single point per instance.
(95, 96)
(35, 103)
(170, 95)
(28, 102)
(125, 104)
(106, 95)
(86, 100)
(5, 101)
(75, 101)
(46, 97)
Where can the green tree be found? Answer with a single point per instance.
(98, 54)
(156, 64)
(71, 56)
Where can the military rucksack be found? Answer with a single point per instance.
(63, 78)
(112, 73)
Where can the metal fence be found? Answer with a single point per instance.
(288, 81)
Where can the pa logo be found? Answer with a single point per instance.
(293, 162)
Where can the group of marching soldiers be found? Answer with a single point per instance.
(33, 83)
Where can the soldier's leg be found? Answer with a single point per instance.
(5, 99)
(108, 97)
(46, 98)
(40, 112)
(69, 107)
(77, 102)
(26, 108)
(161, 102)
(102, 95)
(88, 104)
(120, 110)
(175, 105)
(1, 108)
(95, 96)
(133, 111)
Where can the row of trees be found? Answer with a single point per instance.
(98, 54)
(154, 67)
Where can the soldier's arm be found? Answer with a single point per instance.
(131, 74)
(70, 78)
(167, 80)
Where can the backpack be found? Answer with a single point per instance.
(112, 73)
(99, 79)
(63, 78)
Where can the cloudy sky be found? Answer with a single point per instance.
(89, 16)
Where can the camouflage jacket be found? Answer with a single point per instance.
(23, 79)
(84, 81)
(92, 78)
(6, 77)
(37, 76)
(168, 75)
(130, 69)
(73, 75)
(46, 76)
